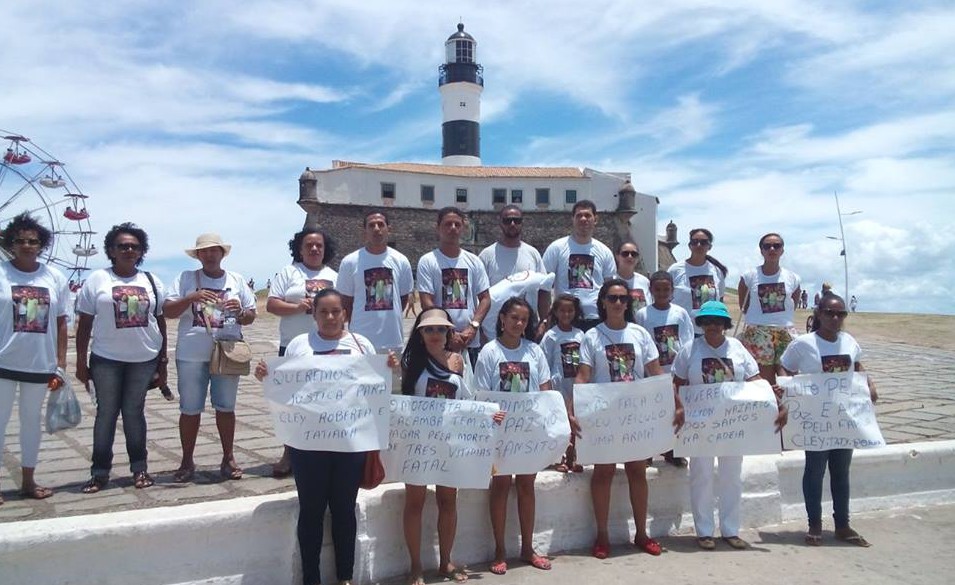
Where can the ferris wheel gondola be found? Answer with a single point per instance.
(33, 180)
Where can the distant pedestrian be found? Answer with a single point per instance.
(805, 299)
(853, 303)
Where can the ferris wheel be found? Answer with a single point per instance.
(35, 181)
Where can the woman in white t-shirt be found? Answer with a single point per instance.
(430, 369)
(128, 350)
(514, 363)
(291, 293)
(768, 296)
(827, 349)
(209, 302)
(711, 359)
(32, 351)
(627, 257)
(618, 350)
(326, 480)
(700, 277)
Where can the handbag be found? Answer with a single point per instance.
(374, 472)
(229, 357)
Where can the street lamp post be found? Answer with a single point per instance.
(842, 238)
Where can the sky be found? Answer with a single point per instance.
(742, 117)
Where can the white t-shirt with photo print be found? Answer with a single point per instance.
(771, 297)
(30, 303)
(124, 320)
(501, 369)
(455, 284)
(502, 261)
(314, 344)
(695, 285)
(701, 364)
(562, 349)
(291, 285)
(376, 283)
(617, 355)
(581, 270)
(639, 291)
(811, 354)
(194, 343)
(671, 329)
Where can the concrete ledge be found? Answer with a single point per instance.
(252, 540)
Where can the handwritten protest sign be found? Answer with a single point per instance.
(330, 402)
(624, 421)
(441, 442)
(732, 418)
(534, 433)
(829, 411)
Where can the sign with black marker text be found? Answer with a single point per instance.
(534, 433)
(731, 418)
(829, 411)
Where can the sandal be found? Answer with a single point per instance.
(813, 539)
(499, 568)
(852, 537)
(95, 484)
(142, 479)
(184, 474)
(577, 468)
(229, 470)
(600, 551)
(37, 493)
(454, 574)
(416, 580)
(539, 562)
(649, 546)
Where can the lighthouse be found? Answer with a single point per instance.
(461, 81)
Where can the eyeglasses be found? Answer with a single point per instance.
(771, 246)
(128, 247)
(629, 253)
(705, 321)
(26, 241)
(617, 298)
(512, 220)
(835, 313)
(699, 242)
(431, 330)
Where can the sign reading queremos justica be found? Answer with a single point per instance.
(830, 411)
(624, 421)
(438, 441)
(731, 418)
(534, 433)
(330, 402)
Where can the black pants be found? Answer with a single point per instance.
(326, 479)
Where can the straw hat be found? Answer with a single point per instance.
(209, 240)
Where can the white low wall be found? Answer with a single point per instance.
(252, 540)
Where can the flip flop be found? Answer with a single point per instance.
(37, 493)
(455, 574)
(813, 539)
(230, 470)
(499, 568)
(539, 562)
(184, 474)
(853, 537)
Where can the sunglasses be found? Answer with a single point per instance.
(629, 253)
(513, 220)
(26, 241)
(699, 242)
(434, 329)
(772, 246)
(834, 313)
(128, 247)
(617, 298)
(705, 321)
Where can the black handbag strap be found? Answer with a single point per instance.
(152, 283)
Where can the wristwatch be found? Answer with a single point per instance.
(475, 324)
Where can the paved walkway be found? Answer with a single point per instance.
(915, 386)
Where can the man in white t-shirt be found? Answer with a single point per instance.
(454, 279)
(581, 262)
(375, 282)
(510, 255)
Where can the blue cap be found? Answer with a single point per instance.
(715, 309)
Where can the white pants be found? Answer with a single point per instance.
(31, 411)
(729, 490)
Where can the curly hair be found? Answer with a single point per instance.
(601, 311)
(131, 229)
(295, 244)
(25, 222)
(530, 329)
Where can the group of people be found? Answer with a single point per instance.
(603, 322)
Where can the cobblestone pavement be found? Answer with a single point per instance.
(915, 385)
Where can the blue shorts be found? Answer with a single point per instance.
(195, 382)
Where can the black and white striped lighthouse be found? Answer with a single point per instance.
(461, 81)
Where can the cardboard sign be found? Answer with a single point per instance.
(330, 402)
(441, 442)
(624, 421)
(535, 432)
(830, 411)
(732, 418)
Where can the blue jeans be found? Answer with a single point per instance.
(838, 461)
(327, 480)
(195, 381)
(120, 388)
